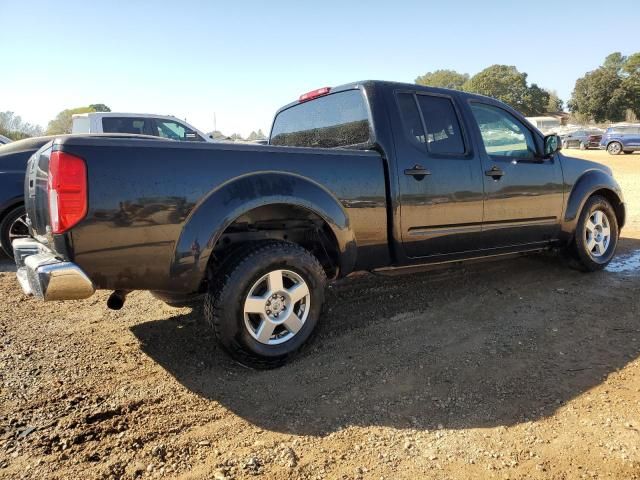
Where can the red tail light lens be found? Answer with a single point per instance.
(314, 94)
(67, 191)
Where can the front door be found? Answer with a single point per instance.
(439, 176)
(523, 192)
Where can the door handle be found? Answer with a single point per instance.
(496, 173)
(417, 171)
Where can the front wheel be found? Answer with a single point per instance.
(614, 148)
(596, 236)
(266, 303)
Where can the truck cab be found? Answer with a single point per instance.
(164, 126)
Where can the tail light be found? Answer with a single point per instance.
(67, 191)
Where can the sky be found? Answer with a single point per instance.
(242, 60)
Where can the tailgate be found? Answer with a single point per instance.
(36, 192)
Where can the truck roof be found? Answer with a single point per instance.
(391, 84)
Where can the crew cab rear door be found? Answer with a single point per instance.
(439, 176)
(523, 192)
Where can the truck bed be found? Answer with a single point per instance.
(143, 195)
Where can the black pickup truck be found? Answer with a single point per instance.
(366, 176)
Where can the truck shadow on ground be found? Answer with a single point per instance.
(481, 346)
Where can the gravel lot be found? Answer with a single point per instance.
(513, 369)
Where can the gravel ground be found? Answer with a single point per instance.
(513, 369)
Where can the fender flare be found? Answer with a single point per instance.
(223, 205)
(586, 185)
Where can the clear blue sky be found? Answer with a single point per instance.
(242, 60)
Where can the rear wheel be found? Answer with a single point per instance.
(596, 236)
(13, 226)
(614, 148)
(266, 303)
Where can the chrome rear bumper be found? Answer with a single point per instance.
(46, 277)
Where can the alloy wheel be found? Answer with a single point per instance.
(597, 233)
(277, 307)
(19, 228)
(614, 148)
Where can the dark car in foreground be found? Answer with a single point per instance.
(582, 139)
(621, 139)
(13, 162)
(371, 175)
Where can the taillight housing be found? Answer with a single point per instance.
(67, 191)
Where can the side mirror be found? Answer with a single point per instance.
(552, 145)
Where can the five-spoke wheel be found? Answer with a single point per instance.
(596, 234)
(265, 302)
(277, 307)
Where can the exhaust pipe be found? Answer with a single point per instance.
(116, 299)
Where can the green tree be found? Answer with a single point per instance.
(508, 85)
(606, 93)
(99, 107)
(12, 126)
(614, 62)
(554, 104)
(63, 121)
(443, 79)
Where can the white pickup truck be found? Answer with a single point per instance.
(165, 126)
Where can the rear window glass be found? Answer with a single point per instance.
(336, 120)
(443, 129)
(443, 135)
(124, 125)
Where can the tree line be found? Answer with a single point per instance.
(608, 93)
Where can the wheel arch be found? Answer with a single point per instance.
(208, 222)
(593, 182)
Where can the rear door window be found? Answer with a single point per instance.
(444, 135)
(336, 120)
(139, 126)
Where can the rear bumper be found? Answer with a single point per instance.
(46, 277)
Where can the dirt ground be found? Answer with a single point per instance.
(514, 369)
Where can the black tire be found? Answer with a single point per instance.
(6, 225)
(224, 302)
(565, 145)
(589, 260)
(614, 148)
